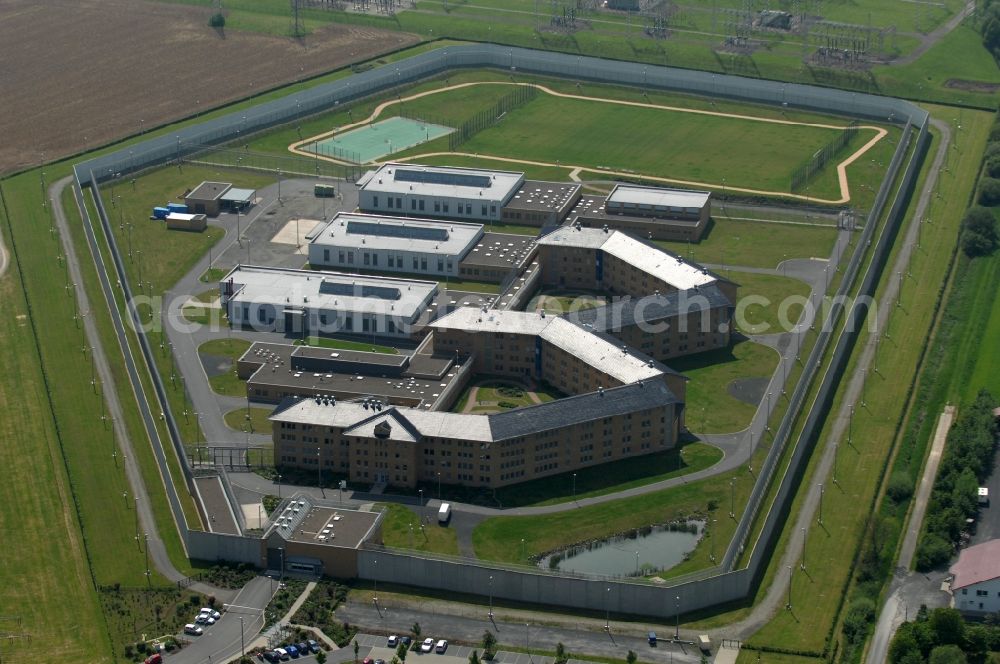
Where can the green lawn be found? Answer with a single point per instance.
(237, 420)
(755, 244)
(986, 298)
(711, 408)
(780, 309)
(342, 344)
(228, 383)
(401, 529)
(165, 255)
(46, 579)
(500, 538)
(689, 146)
(494, 395)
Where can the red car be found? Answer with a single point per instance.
(155, 658)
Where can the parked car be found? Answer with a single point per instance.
(282, 654)
(212, 612)
(392, 641)
(368, 660)
(442, 645)
(406, 641)
(313, 646)
(193, 630)
(155, 658)
(293, 651)
(204, 619)
(272, 656)
(427, 645)
(652, 639)
(379, 661)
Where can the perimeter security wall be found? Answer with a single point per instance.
(696, 591)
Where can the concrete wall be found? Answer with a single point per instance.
(233, 548)
(524, 585)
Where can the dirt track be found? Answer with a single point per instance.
(79, 73)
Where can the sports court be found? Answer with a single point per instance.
(376, 140)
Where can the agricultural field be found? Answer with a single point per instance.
(39, 125)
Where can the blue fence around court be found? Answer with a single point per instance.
(690, 593)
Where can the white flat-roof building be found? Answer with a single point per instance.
(443, 192)
(656, 201)
(352, 241)
(653, 212)
(305, 302)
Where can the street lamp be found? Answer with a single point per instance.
(677, 615)
(243, 648)
(790, 576)
(490, 614)
(802, 562)
(732, 497)
(439, 485)
(574, 487)
(375, 579)
(821, 504)
(607, 612)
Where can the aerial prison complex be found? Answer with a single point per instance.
(386, 418)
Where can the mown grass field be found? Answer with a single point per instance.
(402, 529)
(755, 244)
(860, 467)
(237, 420)
(46, 577)
(781, 310)
(711, 406)
(987, 296)
(228, 383)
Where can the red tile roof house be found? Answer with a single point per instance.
(976, 584)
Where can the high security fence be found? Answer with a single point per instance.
(802, 175)
(468, 576)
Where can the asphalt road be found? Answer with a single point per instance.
(225, 638)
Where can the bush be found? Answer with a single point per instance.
(900, 487)
(993, 166)
(950, 654)
(217, 20)
(933, 551)
(859, 618)
(989, 192)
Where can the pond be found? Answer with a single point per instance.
(659, 548)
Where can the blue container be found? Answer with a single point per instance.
(177, 207)
(161, 212)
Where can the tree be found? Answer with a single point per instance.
(356, 647)
(900, 486)
(948, 626)
(217, 20)
(321, 657)
(989, 192)
(561, 657)
(903, 645)
(949, 654)
(631, 657)
(474, 657)
(416, 633)
(401, 652)
(933, 551)
(489, 641)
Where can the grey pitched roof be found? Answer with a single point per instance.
(582, 408)
(630, 310)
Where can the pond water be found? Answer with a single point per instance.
(659, 548)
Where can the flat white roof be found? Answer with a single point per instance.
(658, 197)
(657, 263)
(444, 182)
(239, 195)
(344, 414)
(182, 216)
(311, 289)
(589, 347)
(370, 231)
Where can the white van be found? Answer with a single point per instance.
(442, 645)
(193, 630)
(444, 512)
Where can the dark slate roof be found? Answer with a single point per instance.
(628, 310)
(582, 408)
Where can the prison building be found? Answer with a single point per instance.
(441, 192)
(551, 349)
(665, 326)
(616, 262)
(352, 241)
(274, 372)
(650, 212)
(371, 442)
(539, 203)
(305, 302)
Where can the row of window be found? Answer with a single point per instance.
(444, 207)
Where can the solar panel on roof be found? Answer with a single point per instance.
(437, 177)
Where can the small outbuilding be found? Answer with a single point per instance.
(206, 198)
(237, 199)
(179, 221)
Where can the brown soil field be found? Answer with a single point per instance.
(79, 73)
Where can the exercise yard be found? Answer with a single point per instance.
(373, 141)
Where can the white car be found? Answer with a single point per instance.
(282, 653)
(393, 641)
(442, 645)
(204, 619)
(193, 630)
(212, 612)
(427, 645)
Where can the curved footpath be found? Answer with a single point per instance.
(845, 192)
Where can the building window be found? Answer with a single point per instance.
(326, 255)
(484, 210)
(440, 265)
(367, 259)
(340, 257)
(375, 201)
(349, 323)
(414, 262)
(350, 258)
(468, 208)
(399, 202)
(374, 259)
(437, 206)
(421, 204)
(423, 264)
(413, 204)
(446, 208)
